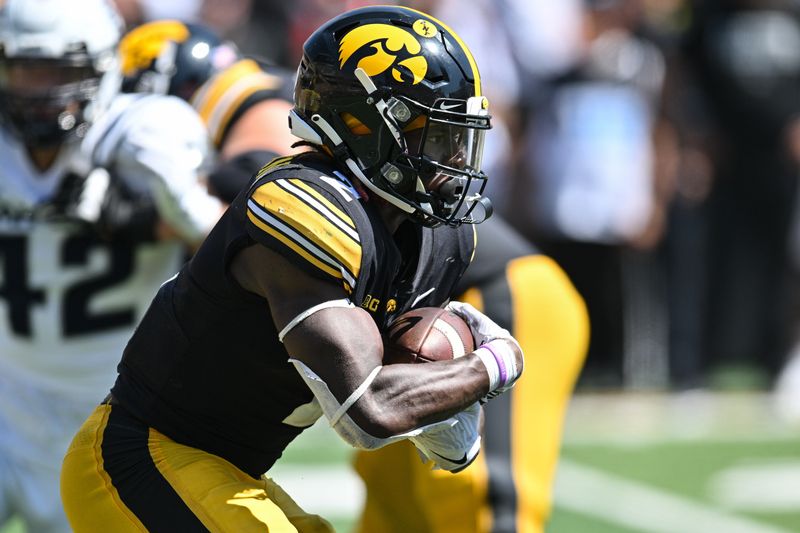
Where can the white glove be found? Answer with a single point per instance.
(454, 447)
(496, 349)
(90, 202)
(483, 328)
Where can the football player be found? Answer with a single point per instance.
(509, 486)
(91, 187)
(522, 290)
(277, 318)
(243, 102)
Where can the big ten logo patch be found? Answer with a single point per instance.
(371, 304)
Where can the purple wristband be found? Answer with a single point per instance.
(501, 365)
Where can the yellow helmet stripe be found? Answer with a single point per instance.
(473, 65)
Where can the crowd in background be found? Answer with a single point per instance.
(652, 147)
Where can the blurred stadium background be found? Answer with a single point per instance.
(675, 426)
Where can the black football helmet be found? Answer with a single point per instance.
(172, 57)
(56, 71)
(395, 95)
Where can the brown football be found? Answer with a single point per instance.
(427, 334)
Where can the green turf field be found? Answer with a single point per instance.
(681, 463)
(689, 463)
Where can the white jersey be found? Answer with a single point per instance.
(69, 301)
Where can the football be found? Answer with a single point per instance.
(427, 334)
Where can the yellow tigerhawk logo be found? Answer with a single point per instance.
(145, 43)
(394, 48)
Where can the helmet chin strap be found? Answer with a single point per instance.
(380, 105)
(305, 131)
(355, 169)
(386, 111)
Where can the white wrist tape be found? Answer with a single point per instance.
(500, 362)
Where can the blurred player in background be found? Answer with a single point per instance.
(99, 195)
(243, 102)
(276, 320)
(522, 290)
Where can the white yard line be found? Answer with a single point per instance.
(336, 491)
(761, 485)
(640, 419)
(637, 506)
(325, 490)
(643, 441)
(624, 420)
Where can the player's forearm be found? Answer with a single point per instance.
(404, 397)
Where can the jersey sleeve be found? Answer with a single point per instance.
(229, 93)
(309, 225)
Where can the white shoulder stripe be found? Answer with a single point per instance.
(316, 204)
(307, 245)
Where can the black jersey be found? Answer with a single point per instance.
(205, 366)
(500, 244)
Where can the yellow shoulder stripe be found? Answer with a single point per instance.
(293, 246)
(219, 98)
(206, 98)
(278, 161)
(324, 201)
(312, 224)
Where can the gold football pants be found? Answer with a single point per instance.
(122, 476)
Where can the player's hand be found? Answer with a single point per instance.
(108, 205)
(498, 350)
(453, 447)
(483, 328)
